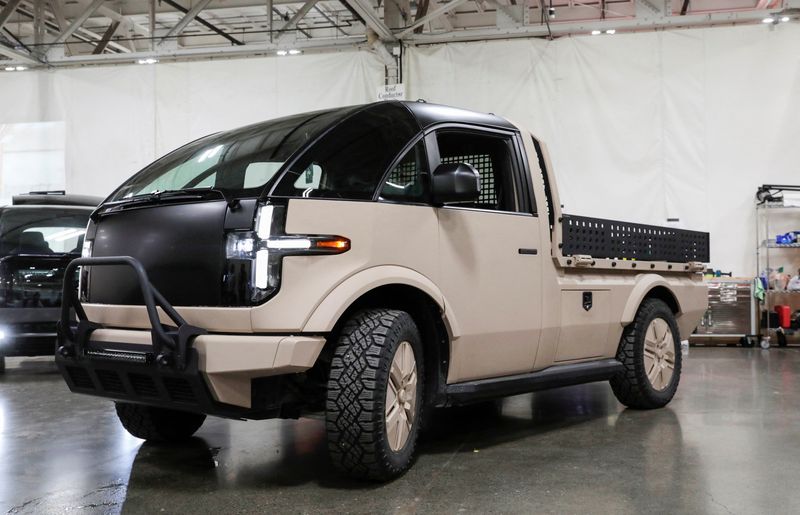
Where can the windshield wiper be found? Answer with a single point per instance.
(157, 197)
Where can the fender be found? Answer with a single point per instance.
(644, 284)
(341, 297)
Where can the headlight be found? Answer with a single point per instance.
(83, 272)
(86, 250)
(259, 254)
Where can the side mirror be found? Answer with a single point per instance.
(455, 182)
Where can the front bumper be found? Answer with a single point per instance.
(182, 367)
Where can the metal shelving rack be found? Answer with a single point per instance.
(763, 211)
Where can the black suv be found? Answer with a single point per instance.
(40, 233)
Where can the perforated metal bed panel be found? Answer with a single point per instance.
(613, 239)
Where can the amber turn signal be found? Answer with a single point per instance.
(335, 244)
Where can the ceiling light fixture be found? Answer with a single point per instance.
(295, 51)
(768, 19)
(611, 31)
(282, 52)
(9, 68)
(147, 60)
(20, 68)
(784, 19)
(596, 32)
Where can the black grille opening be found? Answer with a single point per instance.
(179, 390)
(110, 381)
(80, 377)
(143, 385)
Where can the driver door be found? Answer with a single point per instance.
(490, 258)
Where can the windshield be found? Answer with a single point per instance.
(238, 163)
(42, 230)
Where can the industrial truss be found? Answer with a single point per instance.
(38, 33)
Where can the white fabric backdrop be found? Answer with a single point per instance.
(120, 118)
(641, 126)
(645, 126)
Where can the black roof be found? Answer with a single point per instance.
(55, 198)
(431, 114)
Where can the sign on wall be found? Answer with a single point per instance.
(392, 92)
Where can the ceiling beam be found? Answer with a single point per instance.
(204, 22)
(329, 20)
(298, 15)
(103, 43)
(16, 55)
(439, 11)
(55, 7)
(365, 11)
(7, 11)
(186, 20)
(586, 26)
(77, 22)
(114, 15)
(182, 54)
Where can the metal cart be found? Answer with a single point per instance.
(731, 313)
(770, 213)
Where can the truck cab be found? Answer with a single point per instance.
(369, 263)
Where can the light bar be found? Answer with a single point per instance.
(289, 244)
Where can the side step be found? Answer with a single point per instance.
(552, 377)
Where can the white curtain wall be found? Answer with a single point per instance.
(120, 118)
(644, 127)
(641, 127)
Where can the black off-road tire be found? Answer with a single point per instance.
(356, 397)
(631, 387)
(2, 364)
(158, 424)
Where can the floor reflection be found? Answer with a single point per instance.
(568, 451)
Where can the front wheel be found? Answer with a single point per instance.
(158, 424)
(650, 351)
(375, 395)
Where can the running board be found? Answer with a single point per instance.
(552, 377)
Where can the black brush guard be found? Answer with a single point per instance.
(164, 374)
(171, 345)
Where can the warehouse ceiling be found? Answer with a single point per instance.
(82, 32)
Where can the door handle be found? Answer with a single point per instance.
(530, 252)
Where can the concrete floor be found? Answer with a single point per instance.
(728, 443)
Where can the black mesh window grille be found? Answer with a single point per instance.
(483, 164)
(404, 173)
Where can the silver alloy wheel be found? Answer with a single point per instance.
(401, 396)
(659, 354)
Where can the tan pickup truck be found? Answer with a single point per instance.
(368, 263)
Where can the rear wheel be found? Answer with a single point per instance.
(650, 351)
(375, 395)
(158, 424)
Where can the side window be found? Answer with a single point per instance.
(405, 181)
(492, 156)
